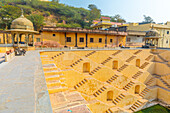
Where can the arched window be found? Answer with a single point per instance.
(115, 64)
(137, 89)
(109, 95)
(86, 67)
(137, 62)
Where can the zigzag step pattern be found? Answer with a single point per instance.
(98, 92)
(57, 55)
(128, 86)
(89, 54)
(114, 77)
(107, 60)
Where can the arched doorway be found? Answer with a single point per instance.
(115, 64)
(137, 89)
(86, 67)
(137, 62)
(109, 95)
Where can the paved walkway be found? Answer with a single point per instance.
(22, 86)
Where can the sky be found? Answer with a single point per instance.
(130, 10)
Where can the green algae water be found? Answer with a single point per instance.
(155, 109)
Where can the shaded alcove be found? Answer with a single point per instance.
(109, 95)
(137, 62)
(137, 89)
(86, 67)
(115, 64)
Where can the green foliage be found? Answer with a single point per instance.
(71, 15)
(38, 20)
(68, 25)
(117, 18)
(46, 13)
(147, 19)
(155, 109)
(94, 12)
(8, 13)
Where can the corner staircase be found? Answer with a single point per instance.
(107, 60)
(137, 75)
(80, 83)
(59, 54)
(161, 58)
(98, 92)
(136, 105)
(114, 77)
(149, 57)
(56, 83)
(76, 62)
(118, 99)
(144, 65)
(150, 81)
(109, 111)
(122, 68)
(137, 52)
(164, 82)
(128, 86)
(130, 59)
(89, 54)
(144, 92)
(95, 70)
(117, 52)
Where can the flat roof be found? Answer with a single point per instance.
(81, 30)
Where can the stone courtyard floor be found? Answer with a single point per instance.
(22, 86)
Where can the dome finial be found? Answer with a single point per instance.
(22, 12)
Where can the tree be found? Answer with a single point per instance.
(37, 20)
(8, 13)
(94, 12)
(92, 6)
(117, 18)
(147, 19)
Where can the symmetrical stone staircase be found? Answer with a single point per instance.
(149, 57)
(150, 81)
(130, 59)
(107, 60)
(129, 85)
(137, 75)
(144, 65)
(98, 92)
(76, 62)
(137, 52)
(118, 99)
(114, 77)
(109, 111)
(161, 58)
(95, 70)
(122, 68)
(144, 92)
(164, 82)
(80, 83)
(57, 55)
(56, 83)
(89, 54)
(117, 52)
(136, 105)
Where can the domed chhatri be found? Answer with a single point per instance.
(22, 23)
(151, 33)
(152, 38)
(22, 32)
